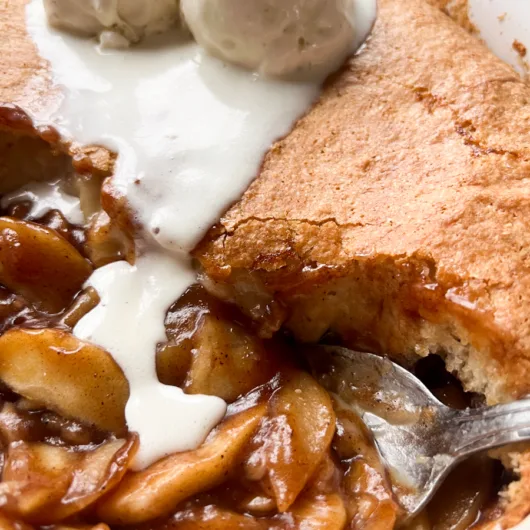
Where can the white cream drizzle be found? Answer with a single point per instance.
(142, 293)
(193, 131)
(44, 197)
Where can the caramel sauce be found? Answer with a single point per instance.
(469, 488)
(466, 491)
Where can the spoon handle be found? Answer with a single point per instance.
(475, 430)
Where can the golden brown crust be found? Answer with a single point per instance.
(25, 77)
(419, 147)
(26, 84)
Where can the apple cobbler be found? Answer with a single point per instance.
(393, 218)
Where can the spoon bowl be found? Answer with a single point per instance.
(419, 438)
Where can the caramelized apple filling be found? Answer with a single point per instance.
(286, 455)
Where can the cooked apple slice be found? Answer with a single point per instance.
(209, 352)
(366, 490)
(322, 512)
(215, 518)
(227, 361)
(40, 265)
(10, 524)
(69, 376)
(156, 491)
(100, 526)
(43, 484)
(105, 242)
(294, 439)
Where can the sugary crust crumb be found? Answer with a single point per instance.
(458, 10)
(519, 47)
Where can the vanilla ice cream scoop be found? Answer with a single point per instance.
(116, 22)
(278, 37)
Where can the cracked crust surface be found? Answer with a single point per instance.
(418, 151)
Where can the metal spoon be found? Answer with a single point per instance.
(419, 438)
